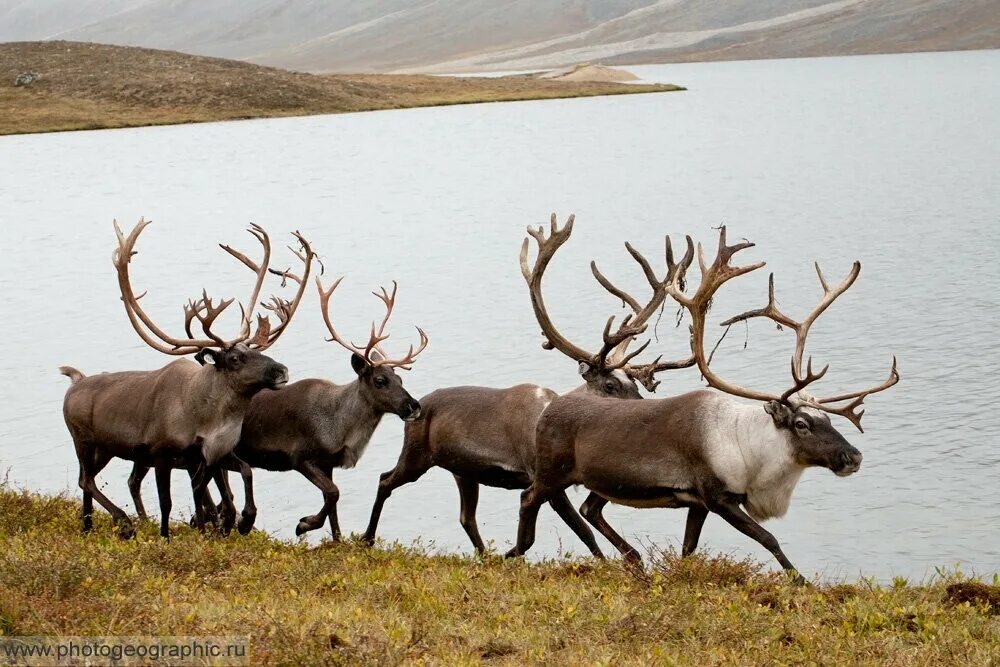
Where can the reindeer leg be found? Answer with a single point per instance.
(561, 504)
(199, 487)
(249, 514)
(323, 479)
(211, 510)
(225, 491)
(406, 471)
(468, 493)
(592, 509)
(692, 531)
(87, 511)
(729, 509)
(89, 471)
(227, 508)
(139, 473)
(531, 501)
(163, 470)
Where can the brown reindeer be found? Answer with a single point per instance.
(184, 414)
(313, 426)
(700, 450)
(485, 436)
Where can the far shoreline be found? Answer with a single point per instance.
(76, 86)
(88, 127)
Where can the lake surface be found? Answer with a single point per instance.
(889, 159)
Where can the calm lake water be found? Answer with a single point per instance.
(889, 159)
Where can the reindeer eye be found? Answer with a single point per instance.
(381, 381)
(801, 425)
(609, 386)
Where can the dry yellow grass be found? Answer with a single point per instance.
(90, 86)
(349, 604)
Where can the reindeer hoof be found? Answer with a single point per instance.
(632, 558)
(126, 531)
(245, 524)
(227, 524)
(512, 553)
(368, 540)
(302, 528)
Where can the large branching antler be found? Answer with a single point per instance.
(717, 274)
(801, 328)
(613, 355)
(619, 358)
(713, 277)
(204, 310)
(372, 352)
(547, 247)
(147, 329)
(259, 269)
(284, 309)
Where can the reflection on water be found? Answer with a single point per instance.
(891, 159)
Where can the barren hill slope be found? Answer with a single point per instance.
(469, 35)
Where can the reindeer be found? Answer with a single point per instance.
(313, 426)
(184, 414)
(700, 450)
(485, 436)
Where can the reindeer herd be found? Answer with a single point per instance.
(233, 409)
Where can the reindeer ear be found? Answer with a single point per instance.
(585, 369)
(208, 356)
(360, 365)
(780, 413)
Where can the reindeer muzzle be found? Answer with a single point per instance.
(410, 411)
(850, 463)
(278, 377)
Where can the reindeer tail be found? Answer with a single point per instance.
(73, 374)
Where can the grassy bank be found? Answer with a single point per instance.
(92, 86)
(346, 604)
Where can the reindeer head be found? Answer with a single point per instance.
(805, 418)
(380, 385)
(244, 367)
(246, 370)
(813, 438)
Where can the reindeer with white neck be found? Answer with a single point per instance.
(700, 450)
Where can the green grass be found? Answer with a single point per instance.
(348, 604)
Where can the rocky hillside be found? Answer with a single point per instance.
(470, 35)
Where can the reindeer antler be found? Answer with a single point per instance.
(720, 272)
(147, 329)
(801, 329)
(377, 335)
(284, 309)
(645, 373)
(204, 309)
(547, 247)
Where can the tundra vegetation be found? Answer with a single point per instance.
(345, 603)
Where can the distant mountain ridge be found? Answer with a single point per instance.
(481, 35)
